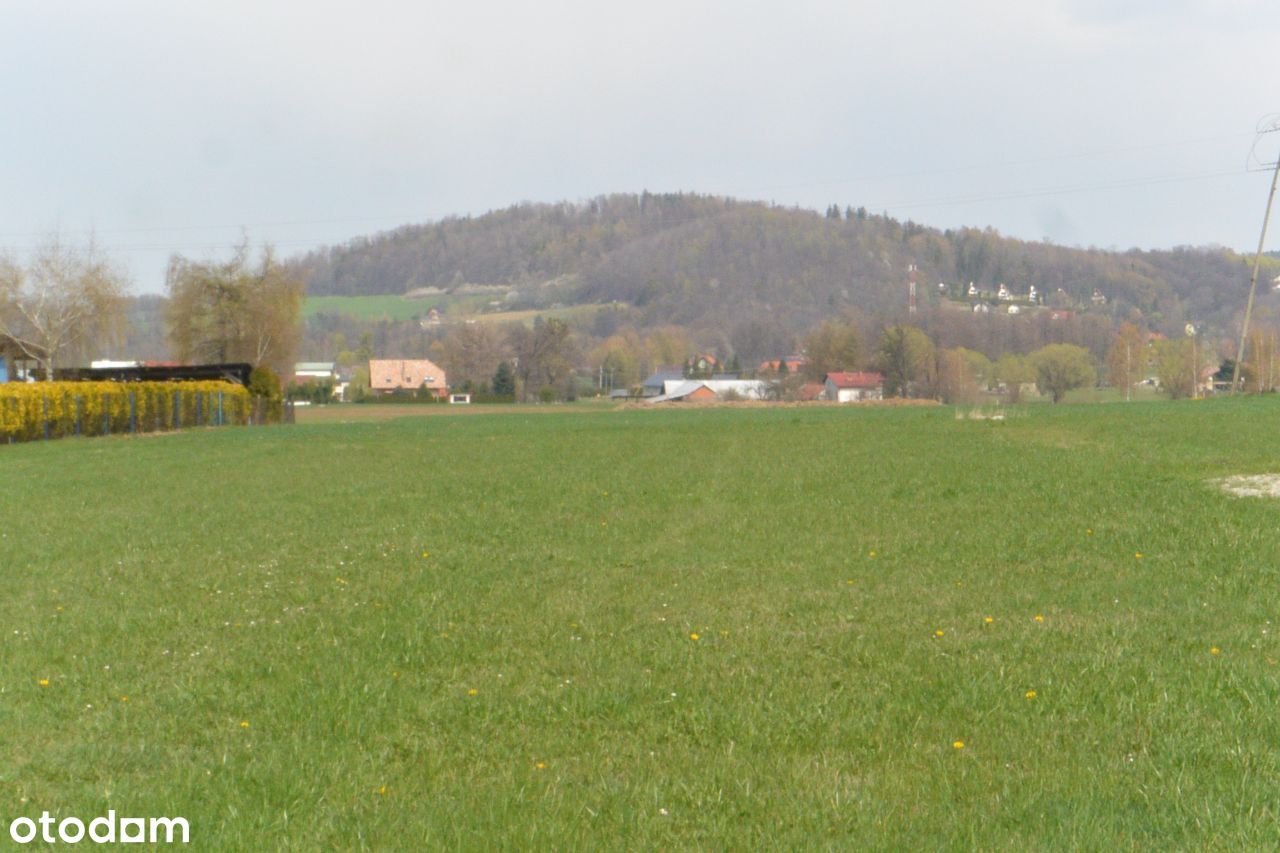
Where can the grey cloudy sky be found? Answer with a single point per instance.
(170, 126)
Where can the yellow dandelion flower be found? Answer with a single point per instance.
(382, 791)
(541, 765)
(871, 553)
(988, 619)
(1039, 618)
(959, 744)
(1088, 531)
(1031, 694)
(426, 554)
(693, 636)
(849, 582)
(124, 698)
(939, 633)
(244, 724)
(1137, 555)
(44, 682)
(1215, 650)
(472, 692)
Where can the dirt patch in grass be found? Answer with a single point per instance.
(1251, 485)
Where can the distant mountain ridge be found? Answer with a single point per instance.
(702, 260)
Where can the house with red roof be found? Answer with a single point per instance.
(854, 387)
(389, 375)
(794, 363)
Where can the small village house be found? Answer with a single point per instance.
(854, 387)
(702, 365)
(794, 363)
(388, 375)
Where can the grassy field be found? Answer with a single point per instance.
(464, 307)
(389, 307)
(717, 628)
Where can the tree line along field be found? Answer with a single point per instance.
(719, 628)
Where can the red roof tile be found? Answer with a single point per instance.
(855, 380)
(392, 374)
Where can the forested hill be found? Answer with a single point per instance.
(699, 260)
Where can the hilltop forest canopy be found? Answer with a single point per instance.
(705, 261)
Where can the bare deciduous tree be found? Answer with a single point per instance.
(66, 298)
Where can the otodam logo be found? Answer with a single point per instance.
(101, 830)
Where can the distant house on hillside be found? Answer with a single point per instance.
(794, 363)
(387, 376)
(854, 387)
(702, 365)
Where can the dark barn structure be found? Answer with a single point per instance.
(234, 372)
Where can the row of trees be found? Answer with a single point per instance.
(66, 304)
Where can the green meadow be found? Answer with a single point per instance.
(705, 628)
(465, 306)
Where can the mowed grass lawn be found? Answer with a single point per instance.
(812, 628)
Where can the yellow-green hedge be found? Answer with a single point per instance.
(32, 411)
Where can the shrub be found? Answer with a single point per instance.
(30, 411)
(264, 386)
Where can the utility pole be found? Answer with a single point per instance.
(1253, 279)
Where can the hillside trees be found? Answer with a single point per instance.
(957, 383)
(504, 380)
(546, 355)
(1011, 372)
(619, 360)
(667, 346)
(1127, 359)
(907, 360)
(979, 365)
(1061, 367)
(705, 261)
(834, 346)
(472, 352)
(1178, 363)
(1261, 370)
(237, 310)
(65, 298)
(756, 339)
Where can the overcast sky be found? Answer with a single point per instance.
(171, 126)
